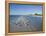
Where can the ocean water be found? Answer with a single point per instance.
(24, 23)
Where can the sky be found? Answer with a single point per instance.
(24, 9)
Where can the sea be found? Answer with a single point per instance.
(25, 23)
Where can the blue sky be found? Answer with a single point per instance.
(25, 9)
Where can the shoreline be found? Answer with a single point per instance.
(27, 15)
